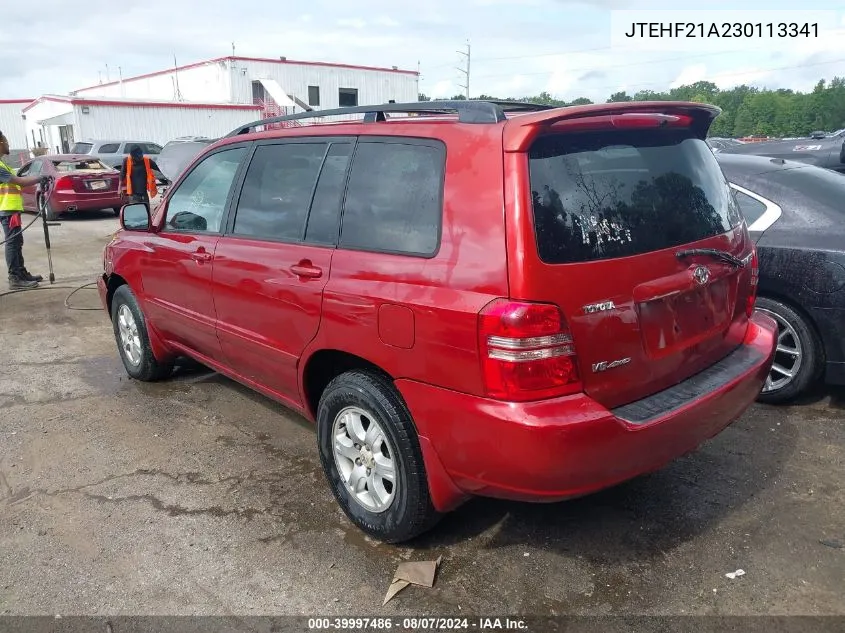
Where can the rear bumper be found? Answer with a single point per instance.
(566, 447)
(61, 202)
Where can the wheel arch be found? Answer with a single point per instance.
(784, 298)
(322, 366)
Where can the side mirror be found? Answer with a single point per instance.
(135, 217)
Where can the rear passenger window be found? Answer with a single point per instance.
(394, 200)
(277, 191)
(110, 148)
(325, 210)
(615, 194)
(752, 210)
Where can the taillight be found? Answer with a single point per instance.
(65, 183)
(527, 352)
(624, 121)
(755, 277)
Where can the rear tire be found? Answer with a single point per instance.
(362, 408)
(133, 341)
(799, 352)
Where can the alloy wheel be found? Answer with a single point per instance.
(364, 459)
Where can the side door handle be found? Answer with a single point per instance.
(306, 269)
(201, 256)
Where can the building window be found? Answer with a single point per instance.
(348, 97)
(313, 95)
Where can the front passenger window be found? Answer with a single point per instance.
(277, 191)
(198, 204)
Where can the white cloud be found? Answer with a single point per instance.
(561, 46)
(690, 75)
(386, 20)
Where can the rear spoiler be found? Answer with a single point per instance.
(520, 131)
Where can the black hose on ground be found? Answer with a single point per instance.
(74, 289)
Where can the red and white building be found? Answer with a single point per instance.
(208, 98)
(12, 123)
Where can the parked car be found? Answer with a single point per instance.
(820, 149)
(796, 215)
(486, 299)
(82, 183)
(113, 153)
(178, 154)
(719, 144)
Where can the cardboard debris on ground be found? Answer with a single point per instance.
(416, 573)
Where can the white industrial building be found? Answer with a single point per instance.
(209, 98)
(11, 122)
(57, 122)
(273, 83)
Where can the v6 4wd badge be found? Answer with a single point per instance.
(605, 365)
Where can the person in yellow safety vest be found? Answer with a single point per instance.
(137, 178)
(11, 207)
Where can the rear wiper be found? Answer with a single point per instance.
(724, 256)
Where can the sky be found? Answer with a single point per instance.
(518, 47)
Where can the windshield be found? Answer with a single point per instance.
(81, 148)
(616, 194)
(80, 165)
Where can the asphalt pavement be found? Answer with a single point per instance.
(198, 496)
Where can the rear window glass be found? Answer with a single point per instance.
(616, 194)
(79, 165)
(81, 148)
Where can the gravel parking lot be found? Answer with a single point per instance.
(196, 496)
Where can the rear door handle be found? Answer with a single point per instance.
(201, 256)
(306, 270)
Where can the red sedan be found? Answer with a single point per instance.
(82, 183)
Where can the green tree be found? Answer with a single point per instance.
(619, 96)
(746, 110)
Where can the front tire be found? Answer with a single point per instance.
(799, 360)
(371, 457)
(133, 342)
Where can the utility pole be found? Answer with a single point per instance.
(465, 71)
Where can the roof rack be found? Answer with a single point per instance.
(468, 111)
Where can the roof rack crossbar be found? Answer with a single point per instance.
(468, 111)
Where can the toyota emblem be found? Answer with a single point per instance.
(701, 274)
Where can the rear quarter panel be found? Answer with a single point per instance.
(811, 279)
(416, 317)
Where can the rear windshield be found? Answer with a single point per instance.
(80, 165)
(615, 194)
(81, 148)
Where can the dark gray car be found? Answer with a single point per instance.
(796, 214)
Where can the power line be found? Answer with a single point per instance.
(662, 60)
(720, 76)
(495, 59)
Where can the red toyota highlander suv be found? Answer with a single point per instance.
(467, 297)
